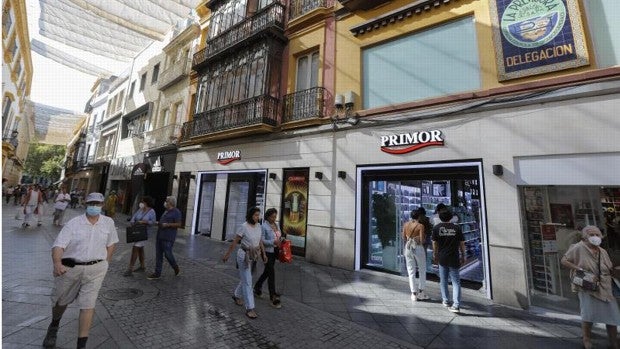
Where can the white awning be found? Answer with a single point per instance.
(67, 59)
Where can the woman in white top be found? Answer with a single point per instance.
(60, 205)
(249, 237)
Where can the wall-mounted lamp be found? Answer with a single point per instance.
(498, 170)
(175, 177)
(318, 175)
(192, 176)
(342, 174)
(273, 176)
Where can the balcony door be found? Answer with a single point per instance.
(306, 102)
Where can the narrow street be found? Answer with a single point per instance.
(323, 307)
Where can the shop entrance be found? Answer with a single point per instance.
(388, 194)
(553, 217)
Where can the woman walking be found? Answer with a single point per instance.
(145, 215)
(414, 235)
(598, 306)
(271, 241)
(60, 205)
(249, 238)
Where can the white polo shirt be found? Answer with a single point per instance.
(84, 241)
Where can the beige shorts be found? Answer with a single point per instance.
(81, 282)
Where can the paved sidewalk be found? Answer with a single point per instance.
(323, 307)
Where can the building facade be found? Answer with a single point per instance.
(17, 113)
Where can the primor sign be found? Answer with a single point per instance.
(226, 157)
(407, 142)
(537, 36)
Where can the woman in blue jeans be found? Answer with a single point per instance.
(271, 241)
(249, 237)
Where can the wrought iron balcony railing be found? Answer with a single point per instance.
(270, 17)
(161, 137)
(301, 7)
(261, 110)
(174, 73)
(303, 105)
(11, 140)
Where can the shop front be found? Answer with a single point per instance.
(388, 194)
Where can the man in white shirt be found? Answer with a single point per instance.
(80, 255)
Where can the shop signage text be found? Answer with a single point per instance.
(537, 36)
(407, 142)
(226, 157)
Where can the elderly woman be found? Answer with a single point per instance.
(596, 306)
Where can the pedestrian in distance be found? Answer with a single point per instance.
(145, 215)
(60, 205)
(110, 204)
(271, 241)
(414, 235)
(448, 240)
(169, 222)
(32, 205)
(9, 194)
(249, 237)
(80, 256)
(598, 306)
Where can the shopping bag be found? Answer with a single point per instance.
(136, 233)
(285, 254)
(585, 280)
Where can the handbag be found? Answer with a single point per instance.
(285, 255)
(136, 233)
(586, 279)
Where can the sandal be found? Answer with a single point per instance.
(251, 314)
(238, 301)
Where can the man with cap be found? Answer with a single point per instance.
(80, 256)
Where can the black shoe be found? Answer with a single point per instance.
(153, 276)
(177, 271)
(50, 337)
(258, 293)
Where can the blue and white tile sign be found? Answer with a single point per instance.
(537, 36)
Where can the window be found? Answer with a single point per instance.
(605, 30)
(307, 71)
(7, 19)
(226, 16)
(142, 82)
(179, 110)
(165, 117)
(6, 108)
(155, 74)
(436, 62)
(121, 99)
(131, 88)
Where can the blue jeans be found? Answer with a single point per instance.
(453, 273)
(164, 248)
(244, 288)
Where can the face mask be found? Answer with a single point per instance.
(141, 205)
(165, 205)
(93, 210)
(595, 240)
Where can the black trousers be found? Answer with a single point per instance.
(268, 274)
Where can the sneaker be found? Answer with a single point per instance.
(422, 296)
(127, 272)
(414, 298)
(153, 276)
(454, 309)
(139, 270)
(258, 293)
(50, 337)
(276, 303)
(39, 224)
(177, 271)
(445, 304)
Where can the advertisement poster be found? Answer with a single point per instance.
(562, 214)
(535, 37)
(549, 239)
(295, 207)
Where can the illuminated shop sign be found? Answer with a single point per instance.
(407, 142)
(537, 36)
(226, 157)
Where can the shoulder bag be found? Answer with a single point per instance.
(586, 280)
(285, 255)
(136, 232)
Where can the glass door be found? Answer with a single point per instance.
(236, 206)
(205, 208)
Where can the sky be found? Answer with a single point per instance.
(55, 84)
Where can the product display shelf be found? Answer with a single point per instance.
(540, 275)
(472, 241)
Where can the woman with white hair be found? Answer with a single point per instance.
(598, 306)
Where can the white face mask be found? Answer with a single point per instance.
(141, 205)
(165, 205)
(595, 240)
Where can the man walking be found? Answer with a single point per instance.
(80, 256)
(169, 222)
(447, 241)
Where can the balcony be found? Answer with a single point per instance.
(252, 116)
(355, 5)
(299, 8)
(103, 155)
(13, 141)
(269, 20)
(161, 137)
(304, 108)
(173, 74)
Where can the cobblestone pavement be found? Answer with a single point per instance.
(323, 307)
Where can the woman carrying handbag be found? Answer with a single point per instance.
(271, 240)
(144, 215)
